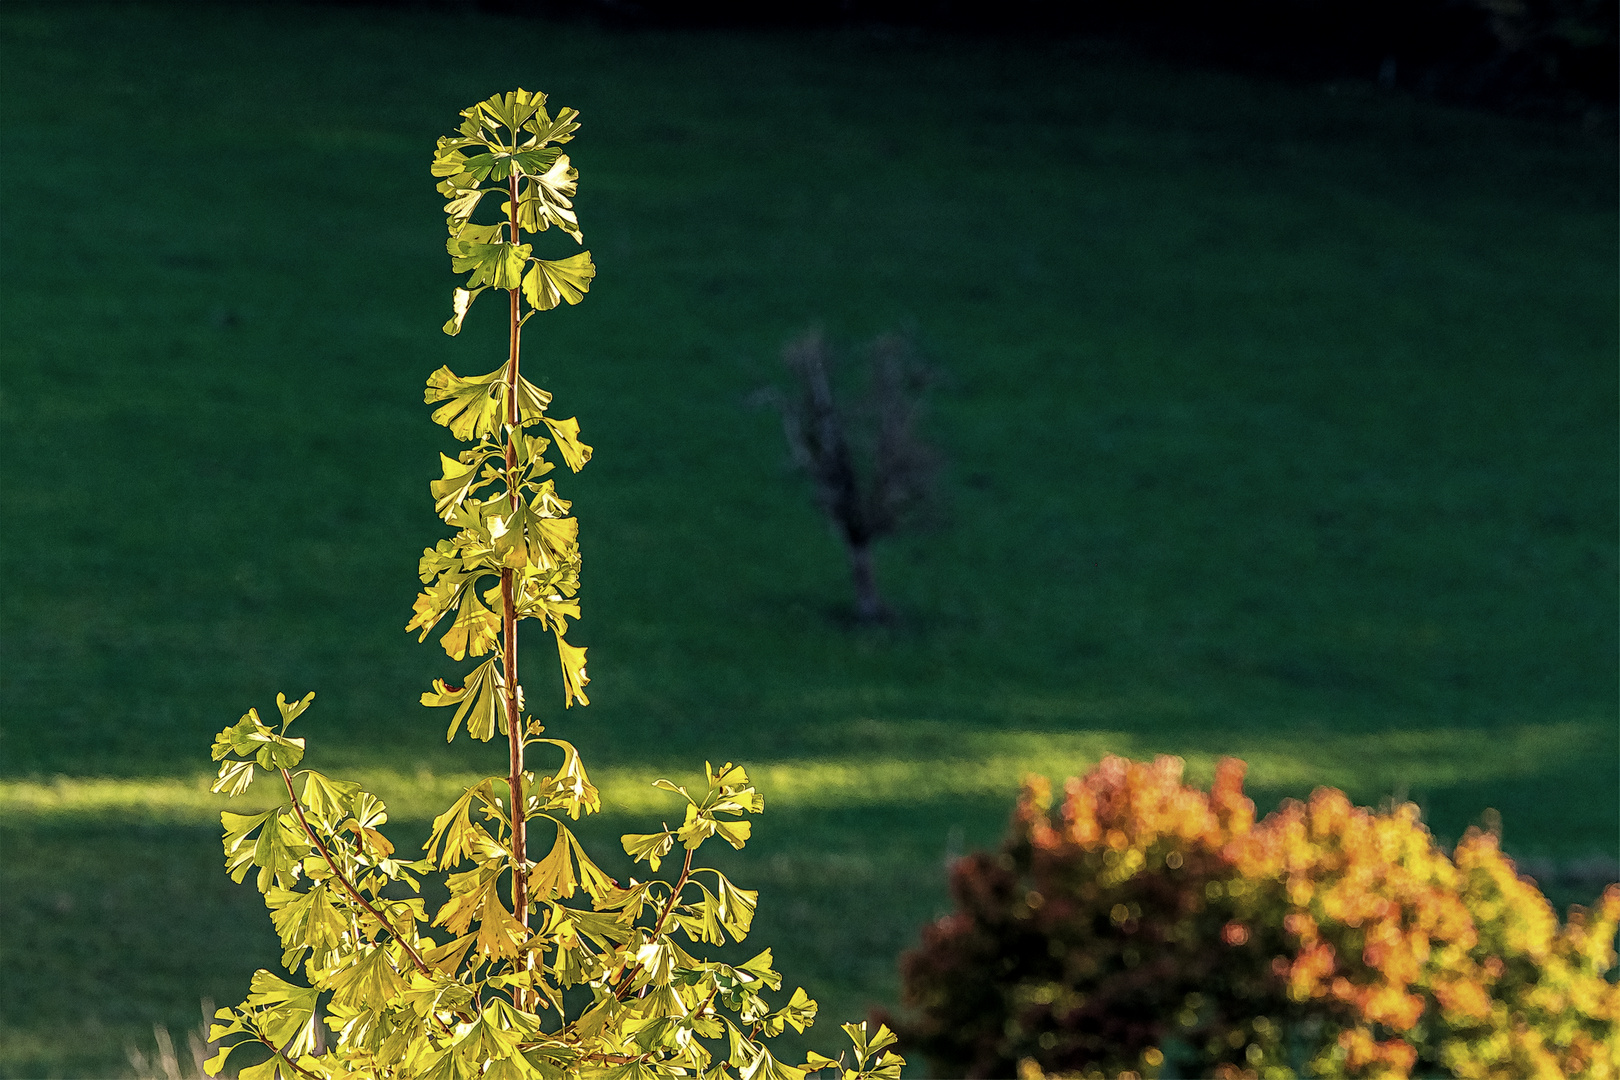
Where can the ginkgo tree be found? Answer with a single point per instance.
(533, 967)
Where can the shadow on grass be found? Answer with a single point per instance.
(119, 914)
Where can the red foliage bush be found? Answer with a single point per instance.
(1146, 927)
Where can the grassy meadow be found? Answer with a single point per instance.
(1280, 422)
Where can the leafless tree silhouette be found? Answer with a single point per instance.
(870, 468)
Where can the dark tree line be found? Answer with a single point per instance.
(1557, 56)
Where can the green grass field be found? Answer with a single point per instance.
(1280, 420)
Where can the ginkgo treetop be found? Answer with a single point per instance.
(508, 144)
(511, 138)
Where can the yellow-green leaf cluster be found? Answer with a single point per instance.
(468, 989)
(531, 968)
(509, 144)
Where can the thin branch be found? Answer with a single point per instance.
(299, 1069)
(347, 884)
(509, 621)
(274, 1049)
(669, 908)
(686, 874)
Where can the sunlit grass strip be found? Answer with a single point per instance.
(985, 765)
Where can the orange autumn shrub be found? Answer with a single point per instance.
(1144, 927)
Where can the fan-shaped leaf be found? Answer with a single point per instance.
(552, 282)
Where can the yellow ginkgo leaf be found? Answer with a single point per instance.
(573, 668)
(475, 631)
(552, 282)
(566, 433)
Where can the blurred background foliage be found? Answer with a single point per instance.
(1278, 414)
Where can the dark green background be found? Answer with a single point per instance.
(1279, 419)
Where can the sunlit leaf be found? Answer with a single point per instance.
(460, 202)
(551, 282)
(814, 1062)
(700, 920)
(556, 129)
(460, 478)
(280, 752)
(701, 823)
(234, 778)
(244, 737)
(239, 841)
(278, 851)
(455, 835)
(448, 161)
(461, 301)
(499, 932)
(481, 702)
(734, 907)
(545, 200)
(474, 631)
(328, 801)
(439, 599)
(553, 876)
(800, 1011)
(441, 557)
(603, 929)
(524, 538)
(569, 788)
(566, 432)
(650, 846)
(498, 265)
(447, 958)
(306, 921)
(292, 711)
(369, 815)
(573, 667)
(371, 980)
(276, 1068)
(565, 869)
(760, 968)
(473, 408)
(768, 1068)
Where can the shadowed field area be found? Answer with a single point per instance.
(1279, 421)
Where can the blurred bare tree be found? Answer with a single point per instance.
(871, 470)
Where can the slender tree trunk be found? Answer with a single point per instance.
(869, 607)
(514, 728)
